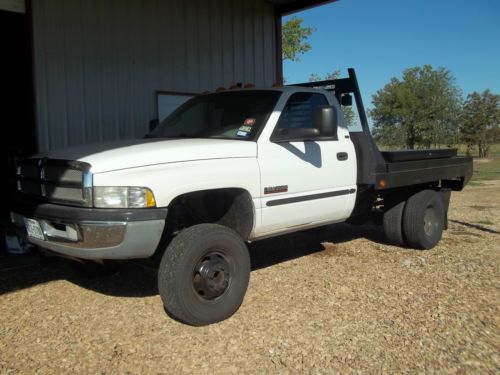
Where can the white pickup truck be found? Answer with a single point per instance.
(225, 169)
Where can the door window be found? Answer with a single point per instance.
(299, 110)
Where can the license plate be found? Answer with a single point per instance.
(34, 229)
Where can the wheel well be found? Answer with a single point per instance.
(231, 207)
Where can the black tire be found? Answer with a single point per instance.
(423, 220)
(204, 274)
(393, 224)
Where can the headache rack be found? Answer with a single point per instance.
(370, 161)
(343, 88)
(394, 169)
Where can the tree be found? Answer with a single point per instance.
(421, 109)
(349, 115)
(480, 121)
(294, 38)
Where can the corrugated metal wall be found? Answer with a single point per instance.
(98, 63)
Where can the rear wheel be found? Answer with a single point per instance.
(423, 220)
(393, 224)
(204, 274)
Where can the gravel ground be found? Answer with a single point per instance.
(344, 302)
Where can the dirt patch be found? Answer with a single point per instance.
(337, 301)
(481, 208)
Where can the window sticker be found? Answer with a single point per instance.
(241, 133)
(244, 128)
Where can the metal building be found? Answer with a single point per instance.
(99, 64)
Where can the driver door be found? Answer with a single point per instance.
(304, 183)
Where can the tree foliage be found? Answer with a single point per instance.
(295, 38)
(349, 115)
(480, 121)
(419, 110)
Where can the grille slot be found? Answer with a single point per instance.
(29, 171)
(57, 181)
(59, 193)
(28, 186)
(61, 174)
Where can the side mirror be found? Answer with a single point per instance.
(295, 135)
(346, 100)
(325, 119)
(153, 124)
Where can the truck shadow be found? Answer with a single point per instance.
(267, 253)
(130, 279)
(134, 279)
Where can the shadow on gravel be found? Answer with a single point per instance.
(137, 280)
(131, 280)
(25, 271)
(475, 226)
(272, 251)
(276, 250)
(339, 233)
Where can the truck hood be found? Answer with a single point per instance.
(109, 156)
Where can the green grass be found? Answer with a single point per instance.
(475, 183)
(485, 222)
(494, 149)
(485, 169)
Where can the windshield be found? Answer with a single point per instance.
(226, 115)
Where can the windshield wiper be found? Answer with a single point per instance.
(184, 135)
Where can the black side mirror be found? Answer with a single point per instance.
(153, 124)
(295, 135)
(325, 119)
(346, 100)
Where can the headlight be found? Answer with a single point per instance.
(123, 197)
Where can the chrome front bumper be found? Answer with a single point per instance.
(93, 239)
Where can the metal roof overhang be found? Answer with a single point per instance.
(289, 6)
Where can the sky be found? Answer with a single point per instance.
(381, 38)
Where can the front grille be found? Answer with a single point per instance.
(54, 180)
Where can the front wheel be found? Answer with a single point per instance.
(423, 219)
(204, 274)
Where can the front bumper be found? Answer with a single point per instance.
(89, 233)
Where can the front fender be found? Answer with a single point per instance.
(167, 181)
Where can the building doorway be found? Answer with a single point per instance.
(18, 132)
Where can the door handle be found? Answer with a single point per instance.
(342, 156)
